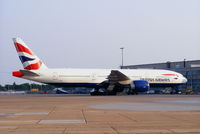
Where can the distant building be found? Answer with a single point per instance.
(190, 69)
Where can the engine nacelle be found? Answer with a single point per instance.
(139, 85)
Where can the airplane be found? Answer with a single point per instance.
(103, 81)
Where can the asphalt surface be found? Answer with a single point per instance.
(156, 106)
(83, 114)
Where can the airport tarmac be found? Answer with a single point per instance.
(82, 114)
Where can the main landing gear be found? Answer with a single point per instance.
(101, 92)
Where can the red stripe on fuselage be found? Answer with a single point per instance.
(35, 66)
(21, 48)
(170, 74)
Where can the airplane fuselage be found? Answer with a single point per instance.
(92, 77)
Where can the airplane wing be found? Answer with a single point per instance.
(116, 76)
(116, 81)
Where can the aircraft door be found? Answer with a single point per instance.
(93, 76)
(55, 76)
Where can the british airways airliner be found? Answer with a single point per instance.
(111, 80)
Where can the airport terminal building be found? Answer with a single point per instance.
(190, 69)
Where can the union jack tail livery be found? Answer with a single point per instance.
(29, 60)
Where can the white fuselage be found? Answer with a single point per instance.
(96, 76)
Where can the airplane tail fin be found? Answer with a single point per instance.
(29, 60)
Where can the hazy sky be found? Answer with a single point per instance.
(89, 33)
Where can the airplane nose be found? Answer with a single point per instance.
(184, 80)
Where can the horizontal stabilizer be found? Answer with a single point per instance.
(28, 73)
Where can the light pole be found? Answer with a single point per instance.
(122, 51)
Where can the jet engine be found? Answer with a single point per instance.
(138, 86)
